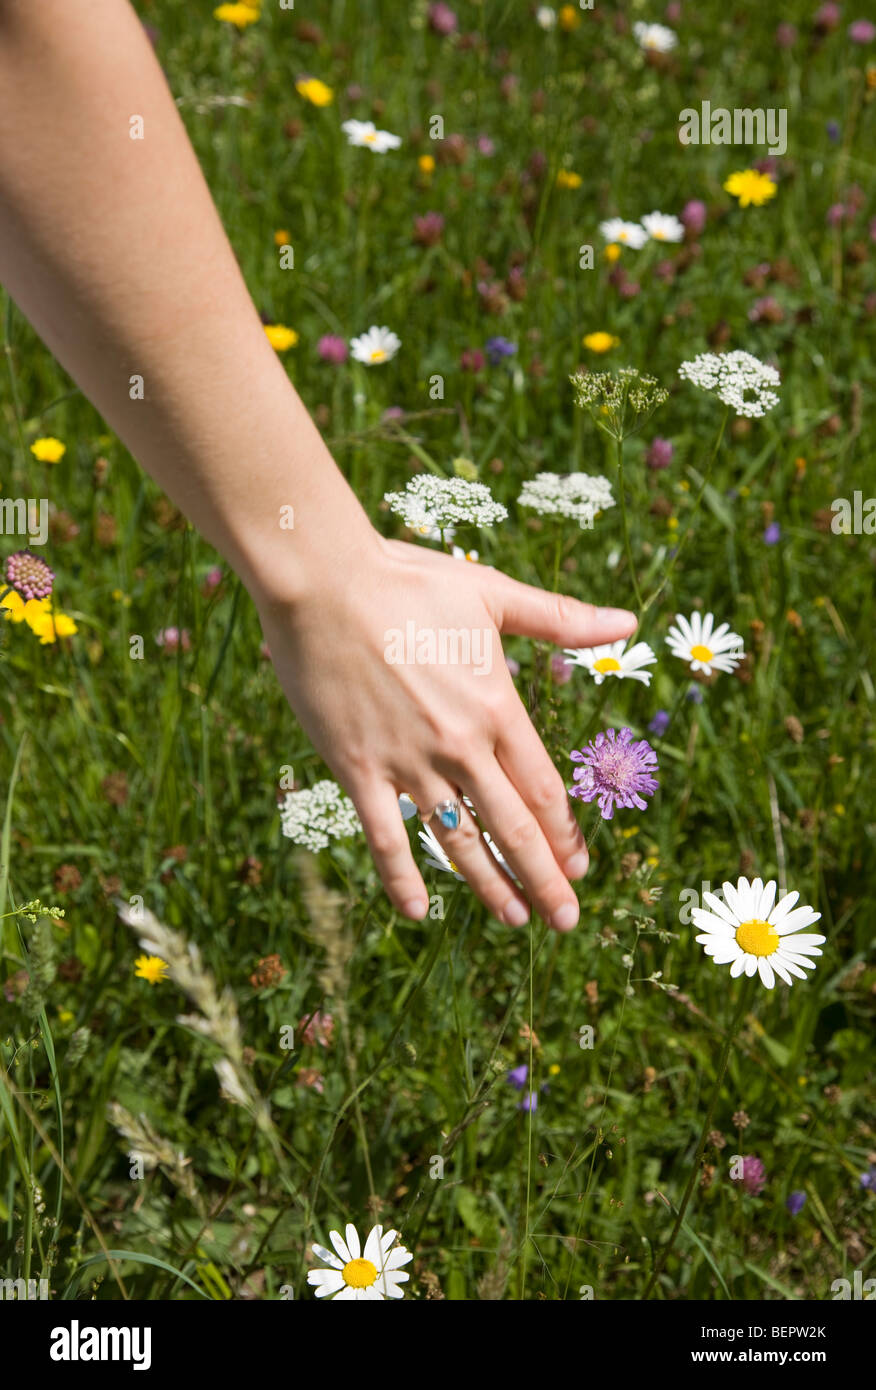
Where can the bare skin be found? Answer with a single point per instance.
(113, 249)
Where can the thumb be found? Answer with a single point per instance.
(549, 617)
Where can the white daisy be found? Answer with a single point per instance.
(626, 233)
(545, 17)
(460, 554)
(707, 650)
(654, 38)
(611, 660)
(407, 806)
(366, 133)
(749, 934)
(662, 226)
(376, 346)
(371, 1275)
(436, 857)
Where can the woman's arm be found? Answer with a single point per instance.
(113, 249)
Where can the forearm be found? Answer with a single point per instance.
(113, 249)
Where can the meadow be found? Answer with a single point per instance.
(606, 1114)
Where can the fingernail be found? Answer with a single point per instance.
(578, 864)
(515, 913)
(416, 908)
(565, 917)
(615, 614)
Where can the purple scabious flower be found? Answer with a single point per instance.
(517, 1077)
(498, 349)
(29, 574)
(773, 534)
(753, 1177)
(616, 772)
(660, 723)
(862, 31)
(796, 1202)
(529, 1101)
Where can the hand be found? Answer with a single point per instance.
(386, 723)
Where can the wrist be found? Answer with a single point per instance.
(314, 551)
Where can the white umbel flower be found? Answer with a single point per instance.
(353, 1274)
(654, 38)
(314, 815)
(662, 226)
(611, 660)
(738, 379)
(748, 933)
(576, 495)
(624, 233)
(428, 501)
(707, 648)
(365, 133)
(375, 347)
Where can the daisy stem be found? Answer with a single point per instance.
(704, 1134)
(626, 528)
(694, 514)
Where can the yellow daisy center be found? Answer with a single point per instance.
(606, 664)
(360, 1274)
(702, 653)
(378, 355)
(369, 137)
(453, 866)
(757, 938)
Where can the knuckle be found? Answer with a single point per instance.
(520, 836)
(385, 841)
(546, 791)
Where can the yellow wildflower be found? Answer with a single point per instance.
(238, 14)
(600, 342)
(48, 450)
(426, 164)
(569, 18)
(612, 252)
(50, 626)
(280, 337)
(314, 91)
(281, 238)
(151, 968)
(750, 187)
(14, 605)
(567, 179)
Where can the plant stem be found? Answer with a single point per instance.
(704, 1134)
(623, 501)
(687, 530)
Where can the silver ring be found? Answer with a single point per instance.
(448, 812)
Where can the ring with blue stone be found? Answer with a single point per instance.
(448, 813)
